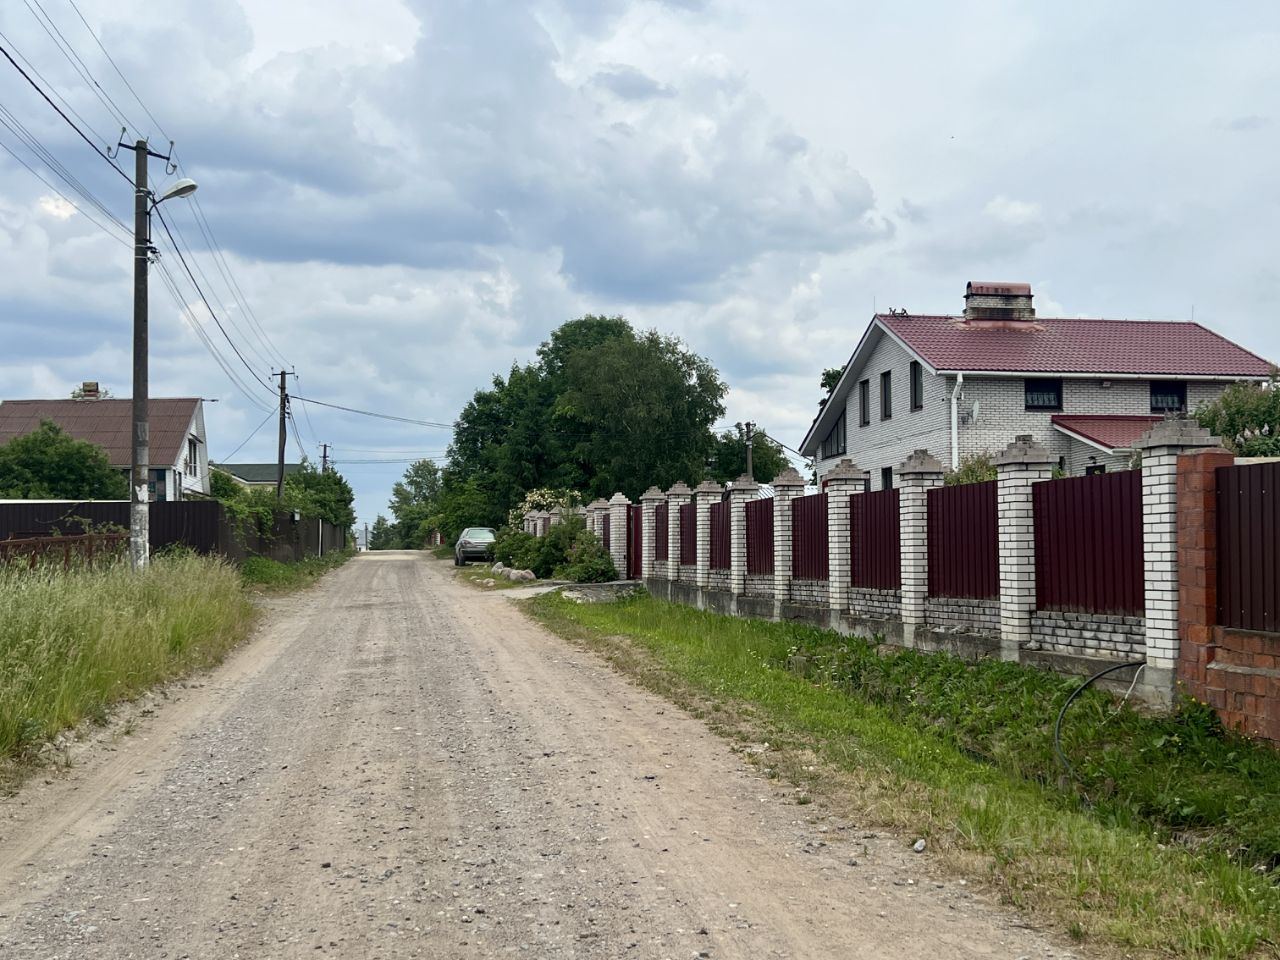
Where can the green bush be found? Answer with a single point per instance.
(587, 562)
(543, 555)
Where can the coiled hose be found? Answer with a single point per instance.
(1057, 727)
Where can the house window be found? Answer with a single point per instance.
(864, 402)
(1093, 469)
(886, 478)
(1043, 394)
(834, 445)
(886, 395)
(193, 455)
(917, 385)
(1168, 396)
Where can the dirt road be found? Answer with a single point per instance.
(401, 766)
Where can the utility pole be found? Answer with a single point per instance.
(366, 534)
(140, 469)
(284, 402)
(324, 458)
(750, 428)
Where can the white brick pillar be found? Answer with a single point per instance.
(843, 481)
(1020, 465)
(529, 521)
(704, 495)
(918, 474)
(541, 520)
(557, 516)
(649, 501)
(596, 511)
(617, 520)
(786, 487)
(741, 492)
(1160, 448)
(677, 497)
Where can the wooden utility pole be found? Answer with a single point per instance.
(750, 428)
(324, 458)
(284, 403)
(140, 469)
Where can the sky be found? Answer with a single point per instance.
(407, 196)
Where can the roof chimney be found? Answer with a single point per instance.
(89, 390)
(1007, 302)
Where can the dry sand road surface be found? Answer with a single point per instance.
(400, 766)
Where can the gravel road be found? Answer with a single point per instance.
(399, 765)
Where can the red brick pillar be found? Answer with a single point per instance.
(1198, 565)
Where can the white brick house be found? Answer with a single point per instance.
(965, 385)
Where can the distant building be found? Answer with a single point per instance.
(967, 385)
(179, 448)
(253, 475)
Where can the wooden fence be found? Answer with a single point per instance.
(964, 541)
(809, 537)
(688, 534)
(1088, 534)
(661, 531)
(87, 549)
(874, 540)
(760, 537)
(1248, 535)
(720, 535)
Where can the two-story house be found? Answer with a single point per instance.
(179, 451)
(966, 385)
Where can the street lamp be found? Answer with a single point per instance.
(144, 201)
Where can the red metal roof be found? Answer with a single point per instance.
(1112, 432)
(1139, 347)
(106, 423)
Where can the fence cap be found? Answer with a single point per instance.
(557, 511)
(845, 470)
(788, 478)
(679, 489)
(653, 493)
(709, 487)
(618, 498)
(598, 504)
(744, 484)
(1178, 433)
(920, 463)
(540, 514)
(1024, 450)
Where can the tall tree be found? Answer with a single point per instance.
(729, 456)
(413, 499)
(50, 464)
(381, 536)
(326, 494)
(830, 377)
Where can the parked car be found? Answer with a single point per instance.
(476, 543)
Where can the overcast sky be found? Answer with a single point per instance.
(411, 194)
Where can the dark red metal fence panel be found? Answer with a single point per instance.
(1089, 544)
(661, 517)
(688, 534)
(635, 541)
(1248, 531)
(606, 530)
(875, 541)
(809, 537)
(760, 536)
(720, 535)
(964, 541)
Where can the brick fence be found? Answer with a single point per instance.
(1134, 559)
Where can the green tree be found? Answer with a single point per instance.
(830, 377)
(222, 486)
(323, 494)
(382, 536)
(1247, 418)
(49, 464)
(414, 498)
(729, 456)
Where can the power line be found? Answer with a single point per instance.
(41, 77)
(38, 89)
(381, 416)
(119, 74)
(270, 414)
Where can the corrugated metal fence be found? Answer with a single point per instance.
(1248, 536)
(720, 535)
(1089, 544)
(809, 537)
(688, 534)
(760, 536)
(661, 517)
(874, 540)
(635, 542)
(964, 541)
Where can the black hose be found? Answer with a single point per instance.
(1057, 727)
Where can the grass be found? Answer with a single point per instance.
(72, 643)
(476, 574)
(442, 552)
(272, 575)
(956, 752)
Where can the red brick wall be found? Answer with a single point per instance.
(1237, 672)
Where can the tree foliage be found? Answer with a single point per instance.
(50, 464)
(414, 500)
(382, 536)
(974, 468)
(729, 456)
(830, 377)
(1247, 418)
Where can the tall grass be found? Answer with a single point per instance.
(940, 749)
(74, 642)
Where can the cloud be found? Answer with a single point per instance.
(628, 83)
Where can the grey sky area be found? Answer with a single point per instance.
(410, 195)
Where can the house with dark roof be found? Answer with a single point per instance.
(966, 385)
(179, 448)
(253, 475)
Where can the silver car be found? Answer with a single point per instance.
(475, 543)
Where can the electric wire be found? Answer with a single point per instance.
(270, 414)
(53, 89)
(123, 78)
(71, 123)
(34, 172)
(381, 416)
(77, 64)
(296, 434)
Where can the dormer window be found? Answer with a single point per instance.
(1168, 396)
(834, 444)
